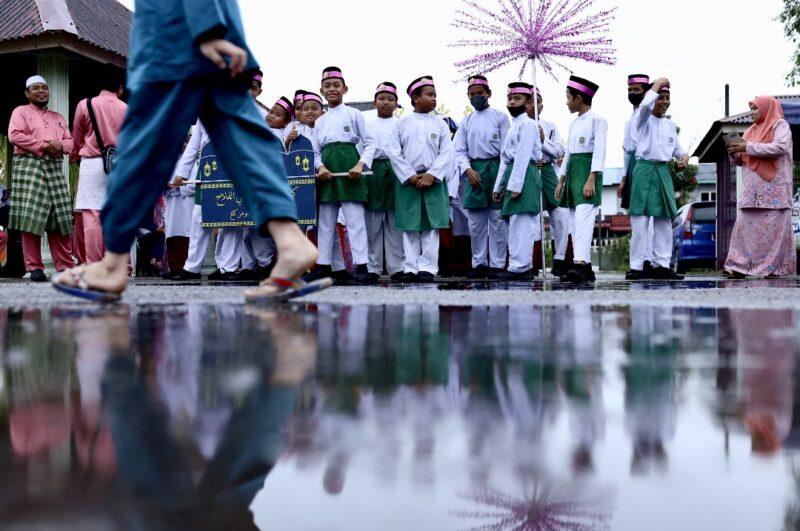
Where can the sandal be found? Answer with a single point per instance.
(733, 275)
(84, 291)
(289, 289)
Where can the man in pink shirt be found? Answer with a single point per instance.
(40, 196)
(109, 112)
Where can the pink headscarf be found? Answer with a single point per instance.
(761, 132)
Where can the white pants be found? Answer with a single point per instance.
(523, 232)
(660, 241)
(257, 251)
(583, 217)
(560, 230)
(227, 253)
(353, 214)
(489, 234)
(421, 251)
(384, 241)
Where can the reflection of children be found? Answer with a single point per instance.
(342, 145)
(380, 207)
(519, 184)
(581, 185)
(422, 155)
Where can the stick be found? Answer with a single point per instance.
(364, 174)
(541, 198)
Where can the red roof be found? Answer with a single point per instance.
(104, 24)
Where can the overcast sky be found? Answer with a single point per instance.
(699, 44)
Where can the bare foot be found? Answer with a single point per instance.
(293, 261)
(110, 275)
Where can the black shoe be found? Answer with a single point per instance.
(665, 273)
(374, 278)
(647, 269)
(478, 273)
(633, 274)
(170, 275)
(318, 273)
(397, 277)
(496, 273)
(559, 268)
(580, 274)
(425, 278)
(344, 276)
(409, 278)
(37, 275)
(524, 276)
(363, 276)
(501, 276)
(186, 275)
(247, 275)
(223, 276)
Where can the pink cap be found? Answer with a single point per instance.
(312, 97)
(258, 77)
(288, 108)
(333, 74)
(638, 80)
(427, 82)
(385, 88)
(477, 81)
(580, 87)
(520, 90)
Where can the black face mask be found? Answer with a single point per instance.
(480, 103)
(516, 111)
(636, 99)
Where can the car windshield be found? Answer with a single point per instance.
(704, 214)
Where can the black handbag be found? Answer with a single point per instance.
(109, 154)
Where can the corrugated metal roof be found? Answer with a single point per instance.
(104, 24)
(18, 19)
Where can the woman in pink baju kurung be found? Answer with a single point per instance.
(763, 241)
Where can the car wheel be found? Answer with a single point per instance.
(681, 267)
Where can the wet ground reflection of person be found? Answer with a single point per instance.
(159, 472)
(650, 390)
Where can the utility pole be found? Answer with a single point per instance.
(727, 100)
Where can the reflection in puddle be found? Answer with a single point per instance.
(399, 417)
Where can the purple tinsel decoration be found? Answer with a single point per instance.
(545, 30)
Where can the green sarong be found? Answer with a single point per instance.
(630, 164)
(549, 184)
(580, 166)
(41, 197)
(653, 193)
(421, 210)
(530, 200)
(341, 157)
(480, 198)
(380, 186)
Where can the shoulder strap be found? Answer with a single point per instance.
(93, 119)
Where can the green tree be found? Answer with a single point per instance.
(684, 181)
(790, 17)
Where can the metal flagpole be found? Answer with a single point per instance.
(541, 195)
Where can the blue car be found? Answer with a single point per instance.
(694, 237)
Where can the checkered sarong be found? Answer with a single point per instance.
(40, 197)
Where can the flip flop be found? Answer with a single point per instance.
(84, 291)
(290, 289)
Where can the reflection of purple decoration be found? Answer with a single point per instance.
(546, 508)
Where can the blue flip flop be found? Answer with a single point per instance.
(290, 289)
(84, 291)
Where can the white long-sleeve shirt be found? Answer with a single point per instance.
(523, 144)
(587, 134)
(657, 137)
(553, 146)
(379, 130)
(197, 142)
(421, 143)
(480, 136)
(629, 142)
(342, 124)
(302, 130)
